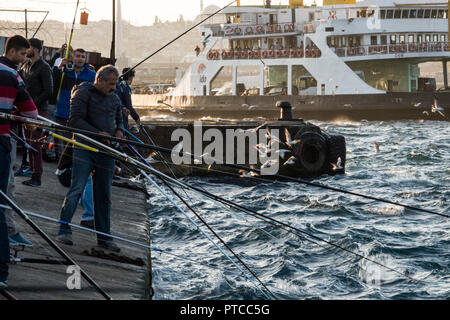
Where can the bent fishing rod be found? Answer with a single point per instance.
(61, 252)
(47, 124)
(178, 37)
(204, 223)
(124, 157)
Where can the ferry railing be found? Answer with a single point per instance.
(313, 52)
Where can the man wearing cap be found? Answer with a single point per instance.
(38, 79)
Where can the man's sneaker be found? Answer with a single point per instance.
(24, 171)
(109, 245)
(12, 243)
(88, 224)
(65, 238)
(3, 284)
(20, 240)
(32, 183)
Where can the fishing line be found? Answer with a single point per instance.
(143, 167)
(178, 37)
(205, 223)
(135, 243)
(24, 216)
(53, 125)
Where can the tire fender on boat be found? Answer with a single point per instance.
(311, 152)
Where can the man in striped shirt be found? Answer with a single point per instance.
(12, 93)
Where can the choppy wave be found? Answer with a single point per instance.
(412, 166)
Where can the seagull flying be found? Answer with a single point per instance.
(291, 161)
(338, 165)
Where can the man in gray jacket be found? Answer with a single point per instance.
(94, 107)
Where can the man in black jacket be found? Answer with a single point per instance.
(38, 78)
(94, 107)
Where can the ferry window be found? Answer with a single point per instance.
(435, 38)
(383, 39)
(389, 14)
(350, 41)
(442, 37)
(405, 14)
(358, 41)
(344, 41)
(402, 39)
(427, 14)
(363, 13)
(382, 14)
(373, 40)
(411, 38)
(441, 14)
(427, 38)
(397, 14)
(419, 39)
(413, 14)
(393, 39)
(433, 14)
(420, 13)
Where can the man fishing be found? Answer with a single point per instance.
(37, 75)
(12, 93)
(94, 107)
(124, 93)
(73, 76)
(15, 55)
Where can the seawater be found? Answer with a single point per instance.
(412, 167)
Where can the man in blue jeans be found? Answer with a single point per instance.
(94, 107)
(12, 92)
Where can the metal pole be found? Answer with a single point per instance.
(26, 24)
(113, 42)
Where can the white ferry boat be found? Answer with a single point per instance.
(345, 59)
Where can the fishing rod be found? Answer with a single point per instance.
(205, 223)
(135, 243)
(61, 252)
(22, 142)
(123, 157)
(53, 125)
(144, 168)
(67, 51)
(178, 37)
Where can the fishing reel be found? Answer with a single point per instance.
(70, 66)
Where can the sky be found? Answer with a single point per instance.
(137, 12)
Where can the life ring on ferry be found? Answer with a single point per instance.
(286, 53)
(264, 54)
(271, 53)
(216, 54)
(244, 54)
(311, 151)
(224, 54)
(292, 27)
(351, 51)
(279, 53)
(260, 29)
(250, 54)
(437, 47)
(249, 30)
(402, 48)
(308, 53)
(287, 28)
(210, 55)
(230, 54)
(270, 28)
(424, 46)
(237, 31)
(293, 53)
(300, 53)
(278, 28)
(256, 54)
(237, 54)
(361, 51)
(393, 48)
(372, 50)
(412, 47)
